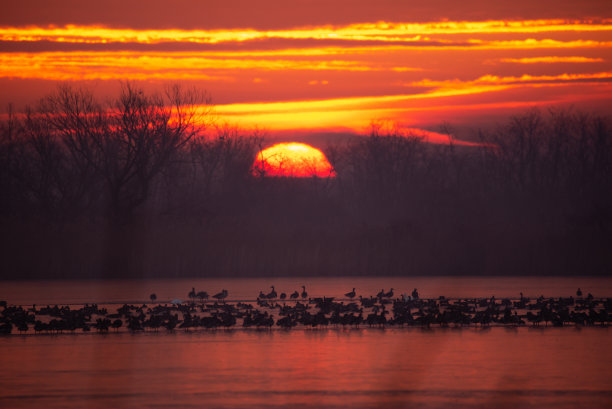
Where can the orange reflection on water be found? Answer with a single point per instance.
(360, 368)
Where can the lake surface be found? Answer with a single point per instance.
(119, 291)
(498, 367)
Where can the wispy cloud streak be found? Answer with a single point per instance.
(381, 31)
(333, 75)
(551, 60)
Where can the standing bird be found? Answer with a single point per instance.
(389, 294)
(351, 294)
(118, 323)
(415, 294)
(202, 295)
(579, 292)
(283, 296)
(304, 293)
(294, 295)
(192, 293)
(272, 294)
(381, 293)
(153, 297)
(221, 296)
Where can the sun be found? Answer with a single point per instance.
(292, 160)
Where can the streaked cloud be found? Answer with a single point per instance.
(334, 75)
(380, 31)
(486, 81)
(356, 112)
(551, 60)
(131, 65)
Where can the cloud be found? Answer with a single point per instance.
(276, 14)
(526, 79)
(328, 75)
(173, 66)
(379, 31)
(551, 60)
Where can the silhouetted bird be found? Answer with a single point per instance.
(351, 294)
(304, 293)
(202, 295)
(272, 294)
(286, 322)
(6, 328)
(220, 296)
(579, 292)
(381, 293)
(294, 295)
(389, 294)
(283, 296)
(117, 324)
(415, 294)
(192, 293)
(153, 297)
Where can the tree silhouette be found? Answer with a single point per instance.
(128, 142)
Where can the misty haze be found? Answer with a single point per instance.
(125, 190)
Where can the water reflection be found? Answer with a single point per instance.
(360, 368)
(308, 368)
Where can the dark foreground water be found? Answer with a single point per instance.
(497, 367)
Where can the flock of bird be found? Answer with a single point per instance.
(297, 309)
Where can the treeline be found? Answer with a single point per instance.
(148, 186)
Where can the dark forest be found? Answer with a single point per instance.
(148, 186)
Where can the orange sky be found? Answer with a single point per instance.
(321, 66)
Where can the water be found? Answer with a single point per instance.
(305, 368)
(119, 291)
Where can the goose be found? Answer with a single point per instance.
(220, 296)
(192, 293)
(304, 293)
(272, 294)
(351, 294)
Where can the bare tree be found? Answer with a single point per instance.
(11, 140)
(224, 158)
(127, 141)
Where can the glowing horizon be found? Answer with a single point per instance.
(329, 75)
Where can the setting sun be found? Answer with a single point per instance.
(293, 159)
